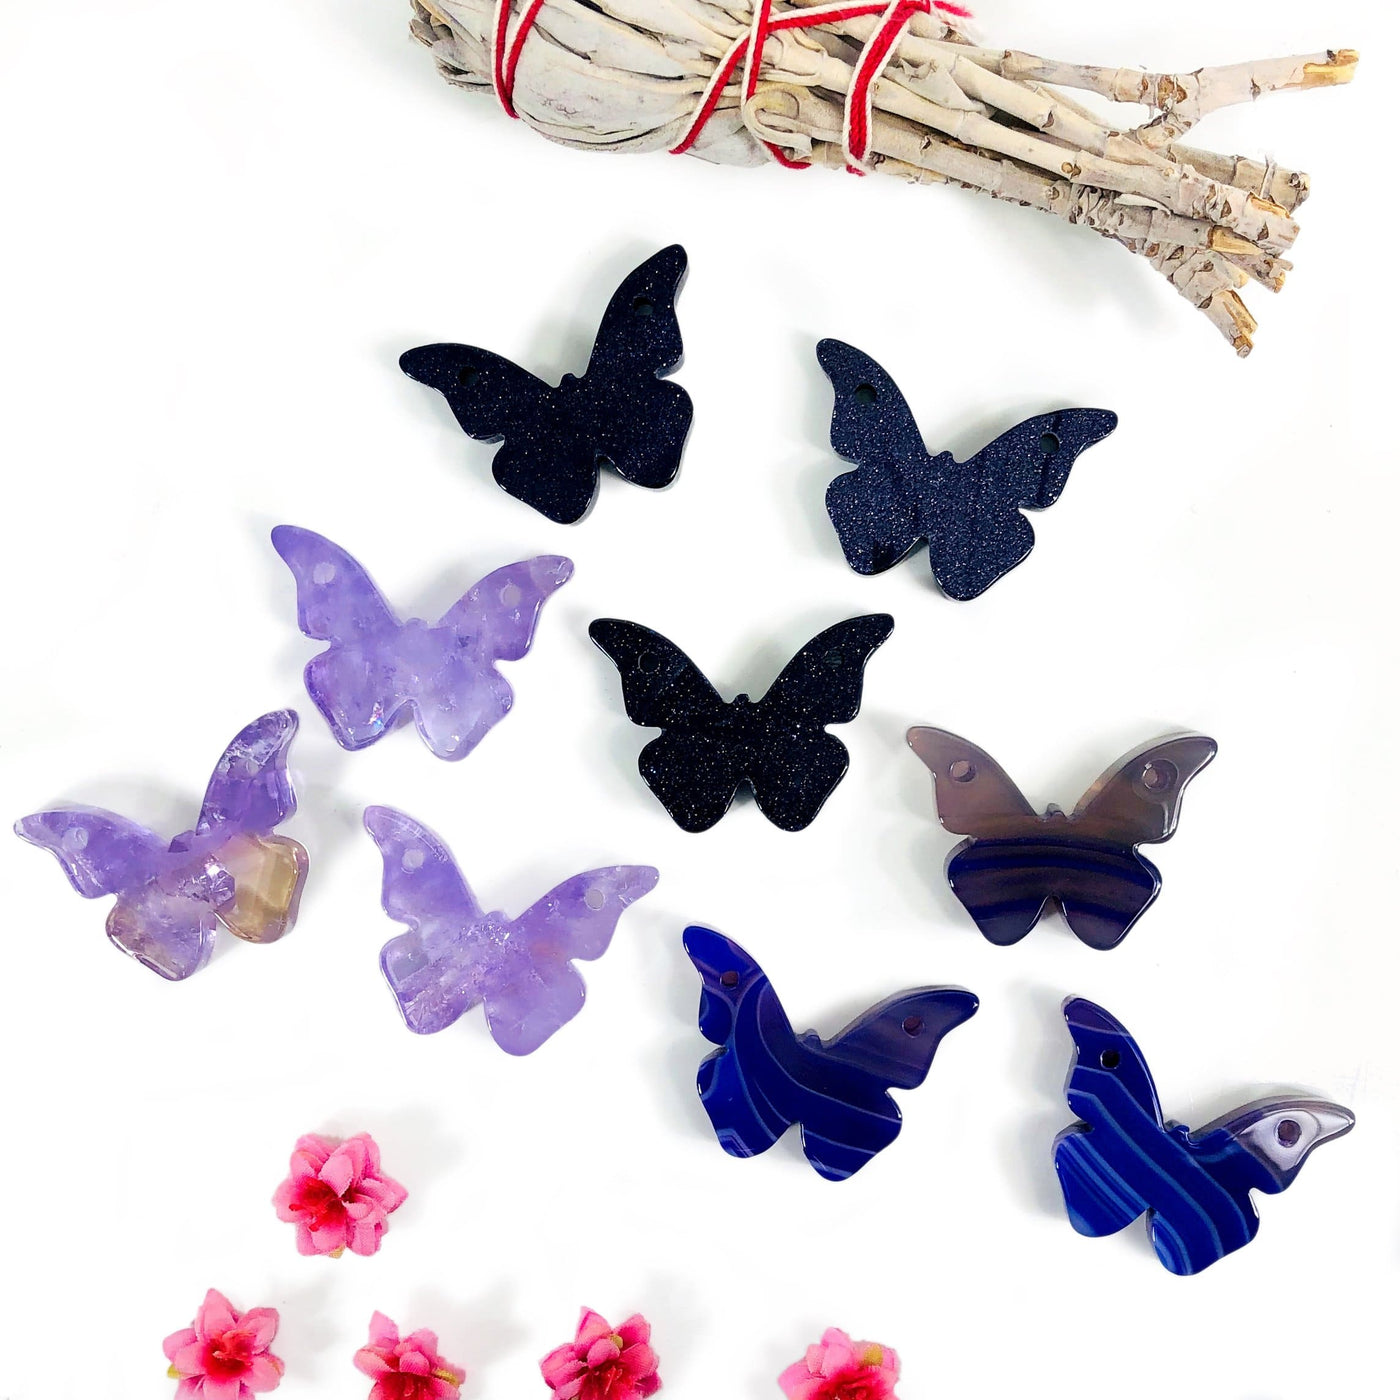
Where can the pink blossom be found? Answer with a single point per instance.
(839, 1369)
(406, 1368)
(603, 1364)
(225, 1355)
(337, 1196)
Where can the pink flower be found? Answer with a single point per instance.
(337, 1196)
(600, 1364)
(407, 1368)
(839, 1369)
(225, 1355)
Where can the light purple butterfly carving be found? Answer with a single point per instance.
(444, 672)
(454, 955)
(231, 871)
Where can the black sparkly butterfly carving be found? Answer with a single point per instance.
(619, 413)
(777, 744)
(969, 512)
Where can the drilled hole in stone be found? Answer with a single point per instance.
(962, 771)
(1049, 443)
(643, 306)
(467, 376)
(648, 662)
(413, 859)
(595, 899)
(323, 574)
(1288, 1132)
(865, 394)
(1110, 1059)
(510, 596)
(1158, 777)
(913, 1025)
(729, 979)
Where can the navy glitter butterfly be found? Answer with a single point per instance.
(1124, 1161)
(969, 512)
(777, 744)
(765, 1077)
(619, 413)
(1017, 861)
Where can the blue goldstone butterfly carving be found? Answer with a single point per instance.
(969, 512)
(1123, 1161)
(619, 413)
(1016, 861)
(765, 1077)
(777, 744)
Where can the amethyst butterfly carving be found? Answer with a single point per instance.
(456, 956)
(377, 667)
(230, 871)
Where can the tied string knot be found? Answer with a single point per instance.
(747, 49)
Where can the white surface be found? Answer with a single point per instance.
(223, 224)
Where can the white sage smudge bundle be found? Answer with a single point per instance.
(892, 86)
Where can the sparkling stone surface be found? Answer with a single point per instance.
(443, 673)
(620, 413)
(969, 512)
(229, 871)
(455, 955)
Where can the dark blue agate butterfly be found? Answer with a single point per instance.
(1016, 861)
(765, 1077)
(1123, 1160)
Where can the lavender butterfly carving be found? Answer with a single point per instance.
(231, 871)
(444, 672)
(455, 956)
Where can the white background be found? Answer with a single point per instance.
(222, 226)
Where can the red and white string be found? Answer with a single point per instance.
(747, 51)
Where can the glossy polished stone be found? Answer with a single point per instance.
(1017, 861)
(443, 673)
(1123, 1160)
(777, 744)
(969, 512)
(765, 1077)
(618, 414)
(456, 956)
(230, 871)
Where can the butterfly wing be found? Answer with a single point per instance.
(849, 1115)
(746, 1086)
(431, 969)
(972, 791)
(693, 768)
(799, 765)
(169, 930)
(354, 682)
(973, 519)
(458, 694)
(538, 989)
(100, 852)
(250, 789)
(1138, 800)
(875, 509)
(249, 795)
(1104, 1161)
(638, 423)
